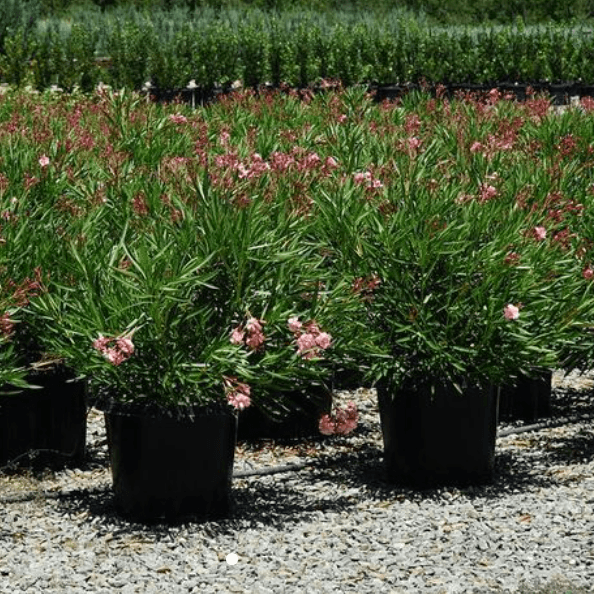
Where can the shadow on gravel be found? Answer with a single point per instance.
(289, 498)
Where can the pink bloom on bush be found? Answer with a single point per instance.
(511, 312)
(587, 104)
(494, 96)
(414, 143)
(476, 147)
(313, 328)
(323, 340)
(341, 423)
(125, 345)
(238, 393)
(101, 343)
(254, 335)
(540, 233)
(331, 163)
(122, 350)
(361, 177)
(306, 346)
(487, 192)
(6, 325)
(237, 336)
(239, 401)
(44, 161)
(588, 272)
(114, 356)
(255, 340)
(294, 324)
(326, 425)
(253, 325)
(306, 342)
(341, 119)
(178, 118)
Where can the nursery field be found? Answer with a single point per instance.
(118, 213)
(203, 262)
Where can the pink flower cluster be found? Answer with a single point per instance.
(6, 325)
(365, 178)
(310, 339)
(178, 118)
(540, 233)
(342, 422)
(251, 334)
(238, 393)
(122, 348)
(487, 192)
(511, 312)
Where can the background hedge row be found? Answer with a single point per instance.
(127, 47)
(444, 11)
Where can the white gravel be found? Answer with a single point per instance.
(334, 526)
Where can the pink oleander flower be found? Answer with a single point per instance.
(414, 143)
(237, 335)
(114, 356)
(326, 425)
(117, 354)
(588, 272)
(253, 325)
(238, 393)
(6, 325)
(476, 147)
(540, 233)
(361, 177)
(101, 343)
(294, 324)
(487, 192)
(313, 328)
(587, 104)
(341, 423)
(125, 345)
(239, 401)
(331, 163)
(255, 340)
(254, 336)
(323, 340)
(44, 161)
(511, 312)
(306, 346)
(178, 118)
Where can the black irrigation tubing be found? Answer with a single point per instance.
(294, 467)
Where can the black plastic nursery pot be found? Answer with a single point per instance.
(301, 420)
(45, 425)
(528, 400)
(439, 437)
(168, 467)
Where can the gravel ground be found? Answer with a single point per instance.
(333, 525)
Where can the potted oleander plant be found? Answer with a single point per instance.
(44, 415)
(178, 324)
(459, 275)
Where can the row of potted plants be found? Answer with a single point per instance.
(217, 48)
(200, 263)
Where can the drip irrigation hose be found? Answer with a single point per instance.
(294, 467)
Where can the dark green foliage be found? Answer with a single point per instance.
(129, 45)
(442, 11)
